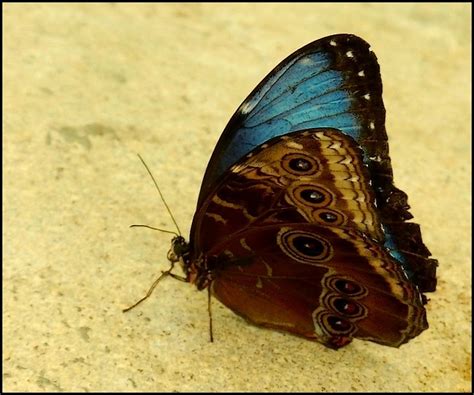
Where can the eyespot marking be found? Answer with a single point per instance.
(304, 247)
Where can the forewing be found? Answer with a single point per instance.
(332, 82)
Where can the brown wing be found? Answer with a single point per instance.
(324, 283)
(310, 182)
(314, 176)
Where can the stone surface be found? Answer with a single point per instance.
(87, 86)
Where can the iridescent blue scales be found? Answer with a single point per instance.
(333, 82)
(299, 226)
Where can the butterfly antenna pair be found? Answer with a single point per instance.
(169, 271)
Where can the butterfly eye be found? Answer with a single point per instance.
(179, 245)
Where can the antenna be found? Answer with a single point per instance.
(151, 227)
(161, 196)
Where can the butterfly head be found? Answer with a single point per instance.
(197, 271)
(179, 250)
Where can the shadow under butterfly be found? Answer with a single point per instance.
(298, 225)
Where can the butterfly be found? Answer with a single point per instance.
(298, 225)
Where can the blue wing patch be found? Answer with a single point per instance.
(333, 82)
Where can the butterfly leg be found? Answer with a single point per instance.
(155, 283)
(176, 277)
(211, 337)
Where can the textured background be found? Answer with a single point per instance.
(88, 86)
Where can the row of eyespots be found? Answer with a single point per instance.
(340, 301)
(317, 199)
(343, 309)
(298, 164)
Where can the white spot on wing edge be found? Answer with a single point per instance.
(350, 54)
(246, 107)
(376, 158)
(361, 73)
(307, 61)
(333, 43)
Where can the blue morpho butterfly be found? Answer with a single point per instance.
(298, 225)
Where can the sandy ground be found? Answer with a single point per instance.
(88, 86)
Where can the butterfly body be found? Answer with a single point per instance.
(299, 226)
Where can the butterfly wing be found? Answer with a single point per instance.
(313, 182)
(333, 82)
(324, 283)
